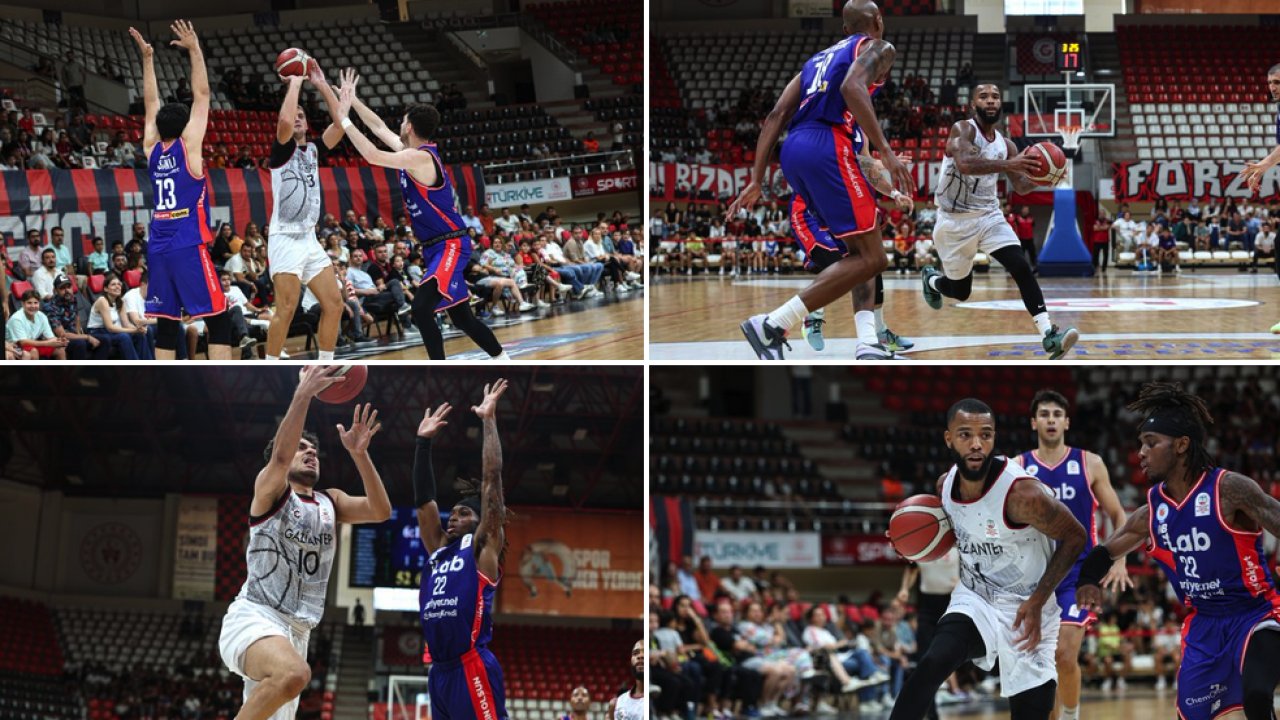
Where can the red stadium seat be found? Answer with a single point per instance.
(132, 278)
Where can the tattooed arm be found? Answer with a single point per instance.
(1245, 506)
(489, 535)
(1029, 504)
(873, 63)
(969, 161)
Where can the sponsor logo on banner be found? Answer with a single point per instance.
(1179, 180)
(772, 550)
(532, 192)
(110, 553)
(605, 183)
(859, 550)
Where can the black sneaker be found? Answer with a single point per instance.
(765, 339)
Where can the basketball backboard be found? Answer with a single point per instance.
(1048, 107)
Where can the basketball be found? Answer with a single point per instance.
(1053, 163)
(292, 62)
(345, 392)
(920, 530)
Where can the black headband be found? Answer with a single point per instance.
(472, 502)
(1172, 422)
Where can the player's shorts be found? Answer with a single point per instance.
(183, 279)
(299, 255)
(820, 163)
(820, 249)
(1019, 670)
(1213, 648)
(957, 237)
(444, 263)
(469, 688)
(1072, 614)
(246, 623)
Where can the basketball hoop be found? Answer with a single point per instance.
(1071, 135)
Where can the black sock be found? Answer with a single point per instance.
(1261, 674)
(955, 289)
(1015, 262)
(424, 317)
(466, 321)
(879, 290)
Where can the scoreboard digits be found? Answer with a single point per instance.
(1070, 56)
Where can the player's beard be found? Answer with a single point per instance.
(305, 476)
(989, 118)
(962, 466)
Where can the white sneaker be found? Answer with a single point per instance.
(633, 276)
(526, 306)
(1120, 684)
(564, 288)
(689, 271)
(772, 710)
(870, 707)
(501, 357)
(591, 291)
(721, 271)
(945, 696)
(498, 312)
(878, 677)
(1106, 685)
(826, 708)
(1161, 685)
(542, 303)
(623, 288)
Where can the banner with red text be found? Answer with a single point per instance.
(685, 182)
(605, 183)
(1147, 180)
(859, 550)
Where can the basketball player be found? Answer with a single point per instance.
(1252, 174)
(294, 255)
(969, 218)
(1080, 480)
(1203, 525)
(938, 580)
(828, 113)
(456, 598)
(579, 704)
(428, 194)
(183, 279)
(630, 705)
(293, 532)
(1006, 526)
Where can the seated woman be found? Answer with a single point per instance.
(109, 324)
(843, 661)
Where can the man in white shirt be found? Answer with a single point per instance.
(135, 311)
(42, 279)
(472, 221)
(508, 222)
(738, 585)
(1128, 230)
(1264, 245)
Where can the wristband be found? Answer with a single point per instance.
(1095, 566)
(346, 123)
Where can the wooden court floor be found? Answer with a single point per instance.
(1202, 315)
(608, 328)
(1139, 701)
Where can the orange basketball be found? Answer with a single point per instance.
(920, 530)
(344, 392)
(292, 62)
(1053, 163)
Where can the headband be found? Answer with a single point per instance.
(1172, 422)
(472, 502)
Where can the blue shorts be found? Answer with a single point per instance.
(1213, 648)
(183, 280)
(820, 249)
(469, 688)
(820, 163)
(444, 262)
(1072, 614)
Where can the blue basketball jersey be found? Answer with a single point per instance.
(180, 217)
(456, 602)
(1217, 570)
(431, 208)
(821, 102)
(1069, 481)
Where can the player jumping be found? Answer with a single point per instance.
(828, 113)
(183, 279)
(293, 534)
(295, 257)
(1252, 174)
(969, 218)
(456, 599)
(428, 194)
(1080, 480)
(1203, 525)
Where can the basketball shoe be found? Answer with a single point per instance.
(766, 340)
(931, 296)
(866, 351)
(1057, 342)
(1276, 328)
(894, 341)
(812, 329)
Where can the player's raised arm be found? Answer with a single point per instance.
(424, 479)
(1117, 578)
(770, 129)
(332, 135)
(371, 119)
(1242, 494)
(150, 92)
(273, 479)
(193, 133)
(873, 63)
(375, 506)
(1031, 504)
(489, 534)
(405, 159)
(288, 109)
(1131, 536)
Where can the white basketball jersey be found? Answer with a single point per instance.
(997, 562)
(290, 555)
(971, 193)
(627, 707)
(295, 189)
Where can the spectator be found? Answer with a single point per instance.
(507, 222)
(1024, 227)
(221, 250)
(688, 581)
(738, 585)
(708, 581)
(63, 312)
(135, 311)
(470, 220)
(1100, 241)
(66, 263)
(1236, 231)
(119, 263)
(554, 257)
(244, 160)
(1264, 246)
(29, 258)
(1168, 251)
(1128, 231)
(246, 271)
(844, 661)
(108, 323)
(247, 316)
(374, 296)
(1113, 648)
(30, 333)
(98, 260)
(757, 681)
(697, 644)
(71, 74)
(1166, 647)
(42, 280)
(590, 143)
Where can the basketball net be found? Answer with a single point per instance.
(1071, 136)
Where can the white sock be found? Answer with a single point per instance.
(865, 320)
(880, 326)
(788, 313)
(326, 355)
(933, 281)
(1070, 713)
(273, 357)
(1042, 322)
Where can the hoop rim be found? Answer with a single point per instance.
(1071, 134)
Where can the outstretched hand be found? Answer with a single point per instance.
(364, 425)
(488, 407)
(346, 96)
(186, 33)
(747, 200)
(433, 421)
(313, 379)
(315, 74)
(143, 46)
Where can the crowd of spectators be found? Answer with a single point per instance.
(1204, 224)
(93, 307)
(62, 145)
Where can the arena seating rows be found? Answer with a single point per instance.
(29, 643)
(574, 20)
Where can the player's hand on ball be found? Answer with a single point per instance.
(364, 425)
(1117, 578)
(745, 201)
(1089, 597)
(433, 421)
(315, 74)
(143, 45)
(186, 35)
(1028, 621)
(1022, 164)
(313, 379)
(489, 406)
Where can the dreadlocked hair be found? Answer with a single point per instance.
(1170, 398)
(468, 488)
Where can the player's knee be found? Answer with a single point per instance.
(295, 679)
(167, 332)
(219, 328)
(1067, 658)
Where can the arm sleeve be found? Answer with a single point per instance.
(424, 477)
(281, 152)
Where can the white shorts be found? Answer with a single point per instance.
(1019, 670)
(299, 255)
(728, 246)
(958, 237)
(246, 623)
